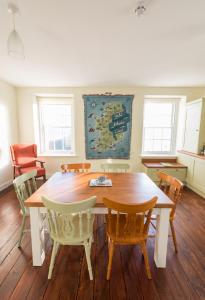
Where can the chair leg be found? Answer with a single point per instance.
(57, 246)
(144, 251)
(44, 178)
(87, 254)
(173, 236)
(53, 256)
(153, 225)
(91, 240)
(14, 172)
(111, 252)
(21, 231)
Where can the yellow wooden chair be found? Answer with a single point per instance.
(173, 188)
(77, 168)
(128, 225)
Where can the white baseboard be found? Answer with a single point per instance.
(5, 184)
(195, 190)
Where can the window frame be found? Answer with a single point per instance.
(38, 124)
(174, 127)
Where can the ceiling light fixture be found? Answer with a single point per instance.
(15, 45)
(140, 9)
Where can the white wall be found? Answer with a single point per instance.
(8, 131)
(26, 128)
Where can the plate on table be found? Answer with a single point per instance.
(96, 182)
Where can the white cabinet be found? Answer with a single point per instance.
(194, 136)
(179, 173)
(188, 161)
(195, 172)
(199, 175)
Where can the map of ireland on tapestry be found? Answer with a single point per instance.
(108, 122)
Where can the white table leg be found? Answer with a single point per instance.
(161, 239)
(37, 236)
(100, 211)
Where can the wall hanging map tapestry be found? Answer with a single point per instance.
(108, 121)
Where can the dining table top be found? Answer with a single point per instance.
(132, 188)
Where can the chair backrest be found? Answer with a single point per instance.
(172, 187)
(25, 186)
(175, 193)
(24, 155)
(138, 217)
(120, 168)
(164, 181)
(77, 168)
(69, 220)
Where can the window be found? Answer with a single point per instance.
(160, 125)
(55, 126)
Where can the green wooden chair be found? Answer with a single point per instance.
(24, 186)
(70, 224)
(119, 168)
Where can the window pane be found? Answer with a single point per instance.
(56, 115)
(166, 133)
(158, 114)
(148, 133)
(158, 126)
(51, 145)
(56, 131)
(147, 145)
(156, 145)
(59, 144)
(166, 146)
(157, 133)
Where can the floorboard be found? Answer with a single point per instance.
(184, 277)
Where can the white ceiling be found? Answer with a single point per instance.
(102, 42)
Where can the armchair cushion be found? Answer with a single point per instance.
(24, 155)
(24, 159)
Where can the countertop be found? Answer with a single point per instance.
(201, 156)
(162, 165)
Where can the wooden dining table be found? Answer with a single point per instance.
(129, 188)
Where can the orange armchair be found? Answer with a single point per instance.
(25, 160)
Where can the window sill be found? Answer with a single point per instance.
(158, 156)
(56, 155)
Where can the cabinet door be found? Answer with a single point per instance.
(199, 175)
(179, 173)
(192, 126)
(188, 161)
(152, 173)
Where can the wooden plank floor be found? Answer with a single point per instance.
(184, 277)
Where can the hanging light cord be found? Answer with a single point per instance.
(15, 45)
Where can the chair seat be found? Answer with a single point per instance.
(76, 237)
(40, 171)
(125, 235)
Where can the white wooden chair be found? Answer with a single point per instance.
(119, 168)
(24, 186)
(70, 224)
